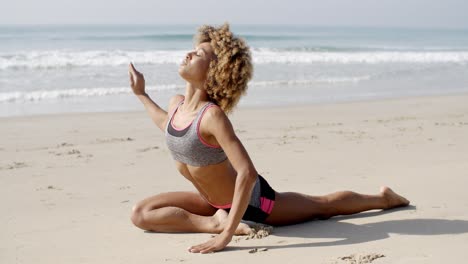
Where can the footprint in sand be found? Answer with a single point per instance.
(175, 260)
(64, 144)
(73, 152)
(50, 187)
(110, 140)
(14, 165)
(255, 250)
(147, 149)
(359, 258)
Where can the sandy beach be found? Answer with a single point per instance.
(69, 182)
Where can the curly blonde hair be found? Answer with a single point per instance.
(230, 72)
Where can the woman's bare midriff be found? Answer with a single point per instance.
(214, 182)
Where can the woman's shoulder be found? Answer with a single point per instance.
(213, 111)
(214, 119)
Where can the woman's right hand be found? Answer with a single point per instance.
(137, 80)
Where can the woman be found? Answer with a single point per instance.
(208, 153)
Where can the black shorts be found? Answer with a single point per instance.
(261, 202)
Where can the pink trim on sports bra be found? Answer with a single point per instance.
(199, 135)
(172, 118)
(179, 129)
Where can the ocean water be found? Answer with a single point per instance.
(61, 69)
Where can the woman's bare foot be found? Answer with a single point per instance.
(392, 198)
(220, 218)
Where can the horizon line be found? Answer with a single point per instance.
(241, 24)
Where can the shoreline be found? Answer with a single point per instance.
(258, 106)
(70, 181)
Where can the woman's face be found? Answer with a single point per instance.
(194, 68)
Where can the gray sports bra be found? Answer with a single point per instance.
(187, 146)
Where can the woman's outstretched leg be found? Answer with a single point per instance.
(293, 208)
(180, 212)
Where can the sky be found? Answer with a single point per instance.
(369, 13)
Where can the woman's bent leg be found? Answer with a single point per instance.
(293, 208)
(180, 212)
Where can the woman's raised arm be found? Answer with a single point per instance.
(137, 82)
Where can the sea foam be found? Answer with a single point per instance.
(39, 95)
(56, 94)
(102, 58)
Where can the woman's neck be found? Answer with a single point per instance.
(193, 97)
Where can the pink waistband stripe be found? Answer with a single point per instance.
(266, 205)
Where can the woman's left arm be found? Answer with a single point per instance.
(221, 128)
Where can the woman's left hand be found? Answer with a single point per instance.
(218, 243)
